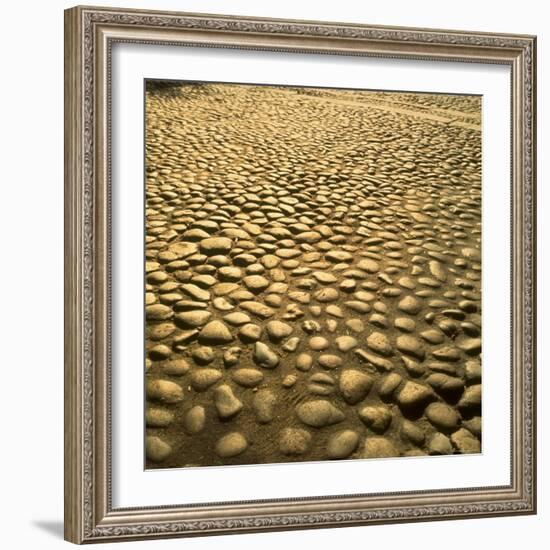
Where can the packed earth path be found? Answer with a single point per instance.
(313, 274)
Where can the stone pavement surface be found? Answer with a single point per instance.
(313, 274)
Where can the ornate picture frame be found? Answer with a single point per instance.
(90, 34)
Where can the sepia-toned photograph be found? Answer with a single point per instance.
(312, 264)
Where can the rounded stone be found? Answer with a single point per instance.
(348, 285)
(357, 306)
(405, 324)
(414, 395)
(158, 418)
(193, 319)
(256, 283)
(183, 250)
(368, 265)
(161, 331)
(158, 312)
(196, 292)
(250, 332)
(289, 380)
(236, 318)
(410, 345)
(389, 384)
(230, 445)
(258, 309)
(410, 305)
(265, 356)
(159, 352)
(447, 353)
(471, 346)
(319, 413)
(444, 384)
(203, 355)
(164, 391)
(354, 385)
(440, 444)
(291, 344)
(379, 343)
(329, 361)
(231, 356)
(342, 444)
(378, 447)
(442, 416)
(277, 330)
(373, 359)
(156, 449)
(324, 277)
(465, 442)
(304, 362)
(472, 371)
(328, 294)
(471, 399)
(433, 336)
(355, 325)
(263, 403)
(471, 254)
(227, 404)
(215, 245)
(378, 418)
(437, 270)
(413, 432)
(338, 256)
(318, 343)
(345, 343)
(474, 425)
(310, 326)
(194, 419)
(215, 333)
(201, 379)
(223, 289)
(247, 377)
(229, 273)
(176, 367)
(204, 281)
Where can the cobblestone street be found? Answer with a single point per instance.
(313, 274)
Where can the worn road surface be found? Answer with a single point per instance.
(313, 274)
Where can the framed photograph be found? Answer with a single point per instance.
(300, 274)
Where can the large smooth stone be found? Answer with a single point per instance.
(203, 378)
(414, 395)
(265, 356)
(164, 391)
(377, 417)
(215, 245)
(319, 413)
(442, 416)
(156, 449)
(342, 444)
(225, 401)
(378, 447)
(354, 385)
(194, 419)
(263, 404)
(215, 333)
(277, 330)
(230, 445)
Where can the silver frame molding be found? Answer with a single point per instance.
(89, 36)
